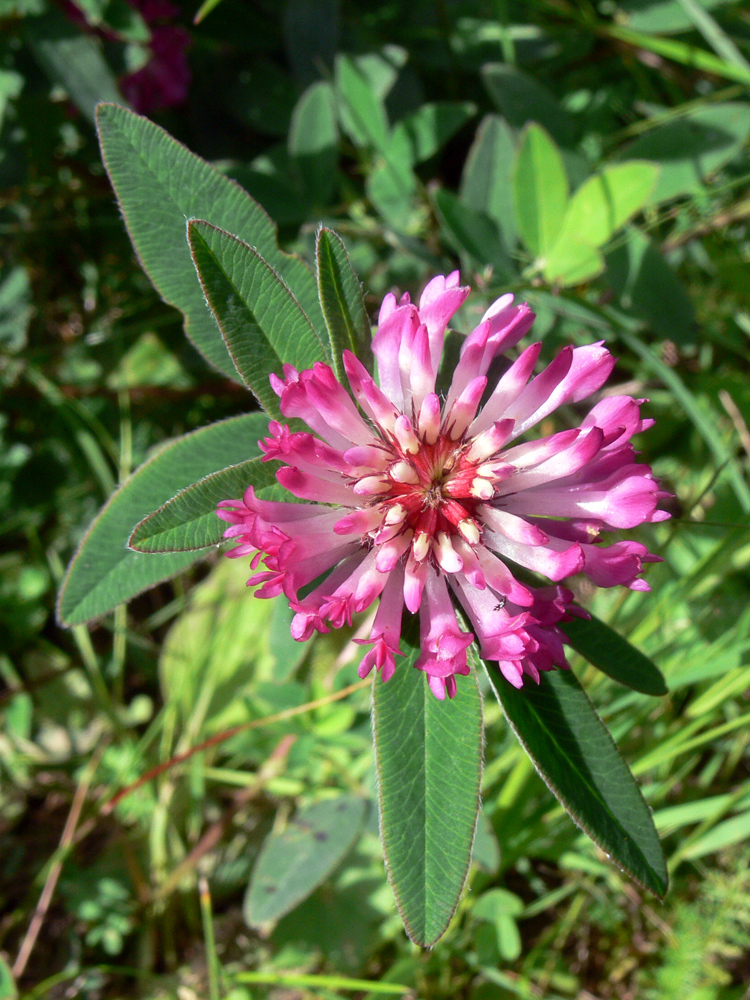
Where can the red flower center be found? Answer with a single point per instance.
(434, 490)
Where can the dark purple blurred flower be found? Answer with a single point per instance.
(163, 82)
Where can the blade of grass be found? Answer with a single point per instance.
(205, 9)
(89, 659)
(615, 139)
(216, 831)
(673, 748)
(293, 979)
(55, 870)
(715, 35)
(720, 809)
(43, 990)
(680, 52)
(93, 439)
(735, 415)
(207, 919)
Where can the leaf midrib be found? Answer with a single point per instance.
(274, 275)
(237, 190)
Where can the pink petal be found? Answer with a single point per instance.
(565, 463)
(628, 498)
(399, 326)
(436, 309)
(508, 324)
(470, 362)
(443, 644)
(507, 390)
(573, 375)
(308, 487)
(316, 397)
(372, 400)
(517, 529)
(420, 369)
(555, 560)
(414, 581)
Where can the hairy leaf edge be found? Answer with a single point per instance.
(102, 108)
(349, 319)
(658, 690)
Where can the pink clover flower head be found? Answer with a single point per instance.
(423, 502)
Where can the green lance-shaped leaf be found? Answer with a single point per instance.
(313, 139)
(159, 183)
(577, 758)
(540, 189)
(72, 59)
(668, 18)
(609, 652)
(262, 323)
(8, 989)
(188, 521)
(648, 287)
(341, 300)
(361, 108)
(521, 98)
(293, 863)
(104, 572)
(391, 185)
(432, 125)
(694, 56)
(428, 755)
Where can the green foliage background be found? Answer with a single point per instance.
(593, 159)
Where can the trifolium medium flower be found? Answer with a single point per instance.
(421, 502)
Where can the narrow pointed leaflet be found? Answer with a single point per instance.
(261, 322)
(159, 183)
(104, 572)
(428, 755)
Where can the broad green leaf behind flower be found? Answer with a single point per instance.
(159, 184)
(294, 862)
